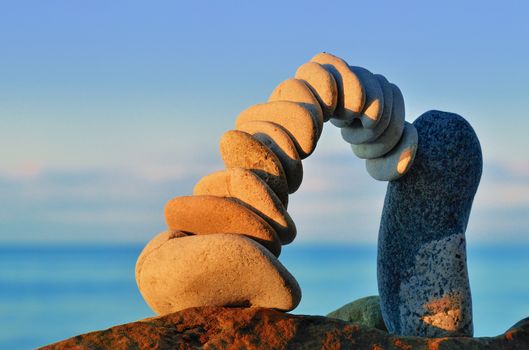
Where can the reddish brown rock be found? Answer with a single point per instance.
(259, 328)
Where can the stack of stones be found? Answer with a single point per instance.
(223, 242)
(372, 119)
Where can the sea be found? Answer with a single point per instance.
(49, 293)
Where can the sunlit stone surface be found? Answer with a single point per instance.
(422, 272)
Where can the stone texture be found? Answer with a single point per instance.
(356, 133)
(398, 161)
(239, 149)
(351, 95)
(278, 140)
(204, 215)
(391, 136)
(258, 328)
(322, 84)
(374, 98)
(296, 90)
(363, 311)
(213, 270)
(250, 190)
(293, 117)
(422, 273)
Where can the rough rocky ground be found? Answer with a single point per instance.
(259, 328)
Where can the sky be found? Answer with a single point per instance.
(108, 109)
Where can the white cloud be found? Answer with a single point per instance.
(337, 201)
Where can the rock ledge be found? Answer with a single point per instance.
(260, 328)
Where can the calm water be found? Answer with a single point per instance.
(51, 293)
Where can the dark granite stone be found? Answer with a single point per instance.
(422, 273)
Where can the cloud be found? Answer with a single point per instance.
(337, 202)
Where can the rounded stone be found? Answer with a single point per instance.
(322, 84)
(214, 270)
(293, 117)
(204, 215)
(398, 161)
(422, 271)
(390, 137)
(356, 133)
(351, 95)
(277, 139)
(250, 190)
(364, 311)
(296, 90)
(374, 98)
(239, 149)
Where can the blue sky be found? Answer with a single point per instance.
(110, 108)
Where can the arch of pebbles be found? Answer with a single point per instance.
(223, 242)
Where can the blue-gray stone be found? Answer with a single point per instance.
(422, 273)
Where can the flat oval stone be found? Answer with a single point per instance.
(374, 98)
(239, 149)
(204, 215)
(296, 90)
(390, 137)
(214, 270)
(278, 140)
(293, 117)
(422, 271)
(250, 190)
(356, 134)
(322, 84)
(351, 96)
(397, 162)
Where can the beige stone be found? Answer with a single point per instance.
(239, 149)
(398, 161)
(322, 84)
(374, 98)
(250, 190)
(356, 133)
(293, 117)
(296, 90)
(154, 244)
(214, 270)
(351, 95)
(391, 136)
(278, 140)
(203, 215)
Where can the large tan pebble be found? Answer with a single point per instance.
(351, 95)
(154, 244)
(398, 161)
(296, 90)
(239, 149)
(203, 215)
(374, 103)
(277, 139)
(250, 190)
(293, 117)
(357, 134)
(214, 270)
(389, 138)
(322, 84)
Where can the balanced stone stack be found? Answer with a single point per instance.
(223, 242)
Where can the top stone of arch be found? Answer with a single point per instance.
(351, 94)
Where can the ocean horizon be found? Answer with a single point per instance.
(52, 292)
